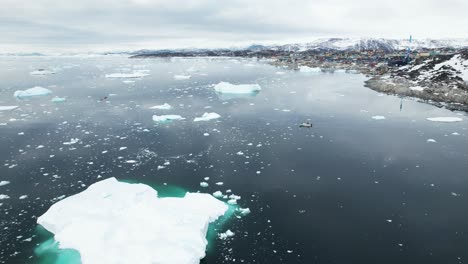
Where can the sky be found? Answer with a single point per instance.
(107, 25)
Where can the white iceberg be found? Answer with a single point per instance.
(207, 117)
(378, 117)
(182, 77)
(42, 72)
(127, 75)
(225, 87)
(445, 119)
(32, 92)
(309, 69)
(8, 107)
(116, 222)
(164, 106)
(165, 118)
(3, 183)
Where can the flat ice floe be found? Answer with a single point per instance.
(32, 92)
(207, 117)
(225, 87)
(42, 72)
(445, 119)
(127, 75)
(164, 106)
(309, 69)
(8, 107)
(182, 77)
(115, 222)
(165, 118)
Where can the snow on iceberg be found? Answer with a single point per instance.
(445, 119)
(225, 87)
(127, 75)
(164, 106)
(206, 117)
(32, 92)
(309, 69)
(117, 222)
(165, 118)
(8, 107)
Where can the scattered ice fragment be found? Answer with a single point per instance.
(127, 75)
(309, 69)
(130, 161)
(166, 118)
(40, 146)
(23, 197)
(72, 141)
(455, 134)
(8, 107)
(4, 196)
(445, 119)
(122, 148)
(219, 183)
(164, 230)
(3, 183)
(57, 99)
(207, 117)
(225, 87)
(455, 194)
(240, 153)
(164, 106)
(378, 117)
(226, 234)
(218, 194)
(182, 77)
(206, 134)
(432, 140)
(389, 220)
(244, 211)
(32, 92)
(204, 184)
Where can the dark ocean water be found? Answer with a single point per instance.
(351, 189)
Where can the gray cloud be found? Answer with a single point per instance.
(124, 24)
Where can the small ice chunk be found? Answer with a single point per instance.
(378, 117)
(164, 106)
(226, 234)
(431, 140)
(207, 117)
(206, 134)
(167, 118)
(182, 77)
(204, 184)
(4, 196)
(122, 148)
(218, 194)
(23, 197)
(131, 161)
(32, 92)
(72, 141)
(219, 183)
(310, 69)
(228, 88)
(3, 183)
(8, 107)
(244, 211)
(445, 119)
(127, 75)
(57, 99)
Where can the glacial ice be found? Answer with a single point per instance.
(32, 92)
(166, 118)
(164, 106)
(206, 117)
(8, 107)
(228, 88)
(127, 75)
(116, 222)
(445, 119)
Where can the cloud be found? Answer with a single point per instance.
(124, 23)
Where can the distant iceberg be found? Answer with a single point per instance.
(225, 87)
(32, 92)
(8, 107)
(445, 119)
(166, 118)
(206, 117)
(127, 75)
(309, 69)
(116, 222)
(182, 77)
(164, 106)
(42, 72)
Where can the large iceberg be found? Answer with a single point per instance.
(225, 87)
(206, 117)
(115, 222)
(165, 118)
(447, 119)
(32, 92)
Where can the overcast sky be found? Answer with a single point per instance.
(48, 25)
